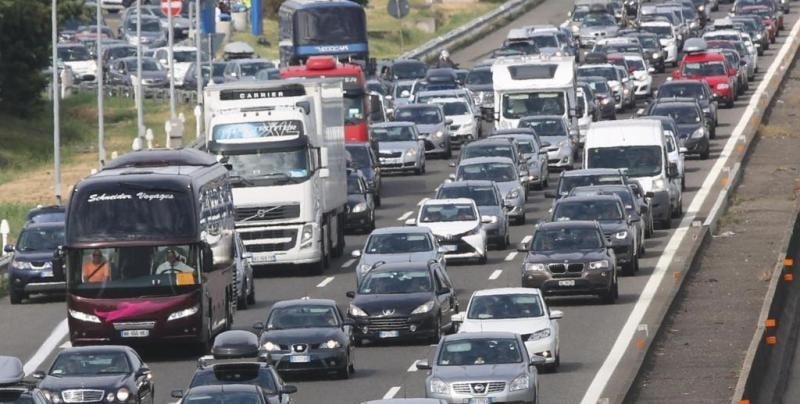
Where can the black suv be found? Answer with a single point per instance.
(410, 300)
(694, 89)
(364, 158)
(693, 127)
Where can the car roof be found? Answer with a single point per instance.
(679, 101)
(390, 124)
(401, 229)
(507, 291)
(484, 160)
(98, 348)
(513, 132)
(479, 335)
(215, 388)
(587, 198)
(602, 187)
(419, 106)
(468, 184)
(399, 266)
(304, 302)
(448, 201)
(567, 224)
(488, 141)
(591, 171)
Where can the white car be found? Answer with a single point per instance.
(642, 80)
(677, 155)
(183, 57)
(457, 225)
(465, 120)
(667, 37)
(519, 310)
(77, 57)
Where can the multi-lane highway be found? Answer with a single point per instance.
(588, 330)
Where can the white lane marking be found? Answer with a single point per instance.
(413, 367)
(526, 239)
(49, 345)
(325, 282)
(495, 274)
(511, 256)
(423, 200)
(391, 393)
(348, 263)
(626, 335)
(405, 215)
(66, 345)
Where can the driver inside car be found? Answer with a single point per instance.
(173, 264)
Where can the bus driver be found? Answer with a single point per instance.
(173, 264)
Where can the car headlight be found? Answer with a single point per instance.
(603, 264)
(533, 267)
(701, 8)
(331, 344)
(411, 152)
(439, 387)
(541, 334)
(563, 143)
(699, 133)
(52, 396)
(360, 207)
(81, 316)
(656, 55)
(621, 235)
(123, 394)
(576, 29)
(758, 36)
(364, 268)
(723, 86)
(439, 133)
(183, 313)
(356, 311)
(422, 309)
(520, 383)
(21, 265)
(605, 101)
(269, 346)
(492, 219)
(659, 184)
(513, 194)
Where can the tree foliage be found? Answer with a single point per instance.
(25, 50)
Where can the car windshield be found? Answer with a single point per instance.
(396, 282)
(568, 183)
(251, 69)
(148, 65)
(455, 108)
(423, 116)
(480, 351)
(223, 397)
(40, 239)
(621, 48)
(148, 25)
(398, 243)
(496, 307)
(683, 115)
(484, 150)
(704, 69)
(451, 212)
(635, 64)
(360, 156)
(186, 56)
(236, 373)
(545, 41)
(399, 88)
(483, 196)
(393, 134)
(526, 48)
(310, 316)
(681, 90)
(498, 172)
(599, 20)
(73, 53)
(479, 77)
(90, 364)
(526, 146)
(354, 186)
(640, 161)
(609, 72)
(625, 196)
(599, 87)
(121, 52)
(567, 239)
(663, 31)
(587, 210)
(409, 71)
(519, 105)
(649, 42)
(545, 127)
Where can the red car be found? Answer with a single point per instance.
(713, 68)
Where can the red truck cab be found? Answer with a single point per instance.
(711, 67)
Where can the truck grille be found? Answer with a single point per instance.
(268, 240)
(388, 324)
(82, 396)
(258, 213)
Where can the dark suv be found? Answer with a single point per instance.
(31, 268)
(693, 126)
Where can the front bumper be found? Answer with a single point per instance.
(560, 157)
(381, 328)
(33, 281)
(389, 164)
(696, 146)
(283, 247)
(660, 205)
(187, 330)
(623, 249)
(518, 208)
(471, 246)
(326, 360)
(643, 88)
(435, 144)
(588, 282)
(545, 347)
(517, 397)
(358, 220)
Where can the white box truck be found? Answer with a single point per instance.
(284, 144)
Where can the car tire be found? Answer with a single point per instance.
(729, 104)
(344, 373)
(713, 133)
(15, 297)
(538, 187)
(377, 201)
(358, 341)
(629, 269)
(251, 296)
(241, 300)
(678, 211)
(437, 330)
(704, 155)
(503, 244)
(610, 296)
(665, 224)
(482, 259)
(419, 171)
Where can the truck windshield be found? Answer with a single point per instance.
(516, 106)
(330, 26)
(641, 161)
(269, 167)
(118, 272)
(242, 131)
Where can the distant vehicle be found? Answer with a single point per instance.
(92, 374)
(153, 35)
(489, 199)
(397, 244)
(586, 177)
(405, 69)
(245, 69)
(399, 147)
(113, 52)
(360, 204)
(211, 73)
(638, 213)
(457, 224)
(466, 119)
(463, 364)
(364, 158)
(503, 172)
(123, 72)
(47, 214)
(31, 268)
(555, 138)
(77, 57)
(234, 393)
(603, 95)
(498, 147)
(183, 57)
(693, 128)
(432, 125)
(533, 153)
(698, 90)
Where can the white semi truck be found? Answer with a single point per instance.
(284, 144)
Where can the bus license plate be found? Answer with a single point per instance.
(566, 283)
(264, 258)
(135, 333)
(299, 359)
(389, 334)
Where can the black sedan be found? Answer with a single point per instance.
(305, 335)
(413, 300)
(693, 127)
(228, 393)
(110, 373)
(364, 158)
(604, 97)
(360, 205)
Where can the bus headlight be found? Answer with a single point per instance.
(183, 313)
(81, 316)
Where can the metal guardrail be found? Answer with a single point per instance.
(158, 94)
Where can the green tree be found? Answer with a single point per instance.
(25, 50)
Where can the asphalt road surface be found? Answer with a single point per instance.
(588, 329)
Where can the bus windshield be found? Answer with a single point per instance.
(330, 26)
(117, 272)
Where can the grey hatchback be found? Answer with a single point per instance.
(489, 199)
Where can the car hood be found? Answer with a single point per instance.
(610, 227)
(402, 304)
(100, 382)
(505, 372)
(521, 326)
(641, 75)
(429, 128)
(489, 210)
(547, 50)
(354, 199)
(609, 31)
(396, 146)
(424, 256)
(181, 68)
(461, 119)
(567, 257)
(480, 87)
(451, 228)
(82, 65)
(33, 256)
(711, 80)
(686, 130)
(507, 186)
(301, 336)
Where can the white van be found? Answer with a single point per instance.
(639, 147)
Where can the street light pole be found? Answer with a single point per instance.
(56, 104)
(170, 55)
(139, 95)
(101, 150)
(199, 70)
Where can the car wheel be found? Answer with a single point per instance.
(358, 341)
(704, 155)
(344, 373)
(503, 244)
(419, 171)
(678, 212)
(610, 296)
(251, 296)
(377, 200)
(482, 259)
(630, 268)
(437, 330)
(15, 297)
(683, 184)
(521, 219)
(241, 301)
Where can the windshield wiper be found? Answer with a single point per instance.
(238, 179)
(281, 176)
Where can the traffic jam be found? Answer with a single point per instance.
(564, 154)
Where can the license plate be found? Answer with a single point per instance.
(480, 400)
(299, 359)
(264, 258)
(566, 283)
(47, 274)
(135, 333)
(389, 334)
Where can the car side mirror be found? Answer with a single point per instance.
(486, 220)
(9, 248)
(143, 371)
(556, 315)
(451, 164)
(522, 247)
(176, 394)
(411, 222)
(448, 121)
(289, 389)
(537, 360)
(443, 291)
(350, 294)
(651, 69)
(38, 375)
(650, 194)
(640, 112)
(423, 365)
(625, 80)
(550, 194)
(348, 322)
(356, 254)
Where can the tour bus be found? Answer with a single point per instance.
(149, 250)
(323, 27)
